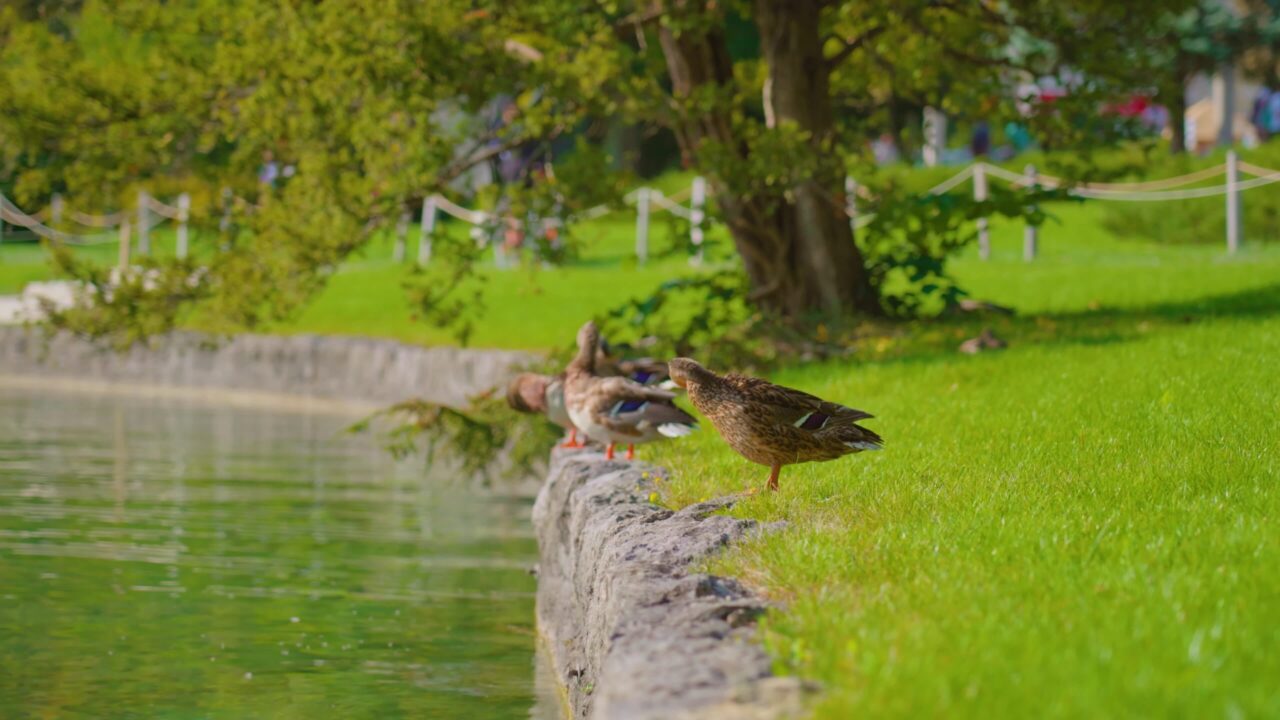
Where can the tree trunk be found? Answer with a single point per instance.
(1176, 102)
(796, 244)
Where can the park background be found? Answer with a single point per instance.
(1075, 522)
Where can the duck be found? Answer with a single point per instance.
(536, 393)
(617, 410)
(772, 425)
(646, 371)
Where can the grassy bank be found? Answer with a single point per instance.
(1080, 525)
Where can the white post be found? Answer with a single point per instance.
(979, 195)
(1233, 202)
(224, 223)
(184, 214)
(851, 203)
(402, 233)
(144, 233)
(124, 243)
(697, 200)
(642, 225)
(428, 230)
(1031, 235)
(935, 136)
(55, 210)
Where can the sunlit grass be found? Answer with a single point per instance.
(1080, 525)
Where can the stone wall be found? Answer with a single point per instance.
(633, 632)
(357, 370)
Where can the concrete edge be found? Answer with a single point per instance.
(632, 631)
(357, 372)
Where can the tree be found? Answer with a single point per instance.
(365, 101)
(768, 134)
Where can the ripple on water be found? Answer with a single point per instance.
(168, 559)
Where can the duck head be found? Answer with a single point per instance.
(528, 393)
(684, 370)
(588, 344)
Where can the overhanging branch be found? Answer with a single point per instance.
(852, 46)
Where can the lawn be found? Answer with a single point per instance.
(1083, 524)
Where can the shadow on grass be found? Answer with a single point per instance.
(939, 339)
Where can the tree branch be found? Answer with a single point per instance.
(851, 46)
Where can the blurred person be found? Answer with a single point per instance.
(269, 171)
(980, 142)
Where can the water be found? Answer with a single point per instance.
(178, 559)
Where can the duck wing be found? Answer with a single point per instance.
(794, 407)
(623, 403)
(645, 371)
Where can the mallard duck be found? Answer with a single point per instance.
(534, 393)
(616, 409)
(646, 371)
(773, 425)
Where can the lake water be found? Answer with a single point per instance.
(163, 558)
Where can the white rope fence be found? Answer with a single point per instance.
(1168, 189)
(648, 201)
(150, 213)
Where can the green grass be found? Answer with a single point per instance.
(526, 308)
(1083, 524)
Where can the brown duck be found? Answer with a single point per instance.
(773, 425)
(544, 394)
(617, 409)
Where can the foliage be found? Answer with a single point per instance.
(373, 106)
(908, 242)
(486, 439)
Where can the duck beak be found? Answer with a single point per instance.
(679, 381)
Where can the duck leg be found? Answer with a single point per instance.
(773, 477)
(631, 452)
(572, 442)
(608, 452)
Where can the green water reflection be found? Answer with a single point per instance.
(167, 559)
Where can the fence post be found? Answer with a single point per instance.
(124, 243)
(935, 136)
(402, 234)
(427, 232)
(224, 223)
(851, 203)
(642, 225)
(1233, 202)
(1031, 234)
(184, 214)
(55, 210)
(144, 232)
(980, 195)
(697, 200)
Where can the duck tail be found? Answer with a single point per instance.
(675, 430)
(865, 439)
